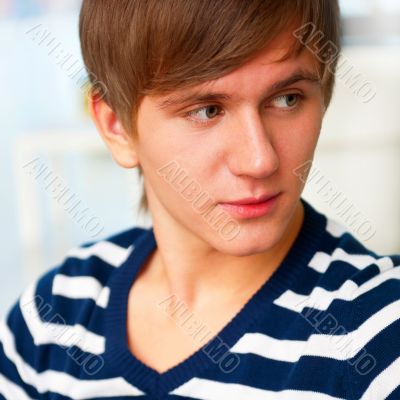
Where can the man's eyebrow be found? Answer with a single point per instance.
(201, 96)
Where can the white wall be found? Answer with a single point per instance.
(359, 149)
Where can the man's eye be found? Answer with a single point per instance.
(205, 113)
(287, 100)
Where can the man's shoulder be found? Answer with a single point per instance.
(369, 294)
(63, 308)
(349, 264)
(352, 301)
(344, 278)
(79, 283)
(109, 252)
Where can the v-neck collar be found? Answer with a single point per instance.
(150, 381)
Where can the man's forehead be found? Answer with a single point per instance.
(272, 63)
(280, 46)
(277, 59)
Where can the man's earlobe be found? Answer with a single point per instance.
(120, 143)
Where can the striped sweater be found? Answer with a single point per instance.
(325, 325)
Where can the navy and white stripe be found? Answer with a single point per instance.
(325, 326)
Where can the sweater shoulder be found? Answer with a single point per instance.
(354, 299)
(346, 259)
(109, 252)
(371, 295)
(57, 321)
(344, 278)
(76, 289)
(85, 270)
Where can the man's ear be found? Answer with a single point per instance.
(122, 147)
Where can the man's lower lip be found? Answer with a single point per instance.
(250, 210)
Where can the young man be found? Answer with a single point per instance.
(240, 289)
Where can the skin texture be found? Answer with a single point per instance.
(248, 146)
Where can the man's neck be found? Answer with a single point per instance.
(214, 278)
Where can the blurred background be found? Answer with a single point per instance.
(59, 186)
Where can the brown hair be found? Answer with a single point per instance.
(136, 48)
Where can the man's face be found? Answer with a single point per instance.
(243, 146)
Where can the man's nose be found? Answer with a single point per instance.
(250, 147)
